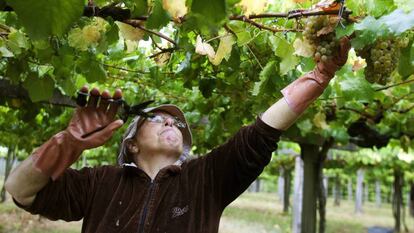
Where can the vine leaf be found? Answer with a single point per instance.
(176, 8)
(370, 28)
(398, 21)
(129, 32)
(253, 6)
(377, 8)
(302, 48)
(91, 68)
(224, 49)
(39, 88)
(209, 13)
(159, 17)
(139, 8)
(320, 120)
(405, 64)
(204, 48)
(56, 16)
(268, 76)
(285, 51)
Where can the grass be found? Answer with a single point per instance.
(251, 212)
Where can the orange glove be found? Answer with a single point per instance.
(90, 127)
(303, 91)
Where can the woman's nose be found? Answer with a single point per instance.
(169, 122)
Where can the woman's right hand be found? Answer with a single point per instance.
(94, 124)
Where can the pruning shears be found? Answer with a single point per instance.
(124, 111)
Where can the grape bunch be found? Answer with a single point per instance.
(320, 35)
(381, 58)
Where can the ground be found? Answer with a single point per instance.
(251, 212)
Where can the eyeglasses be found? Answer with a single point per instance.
(162, 119)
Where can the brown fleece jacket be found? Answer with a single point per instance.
(186, 199)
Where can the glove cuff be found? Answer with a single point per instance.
(56, 155)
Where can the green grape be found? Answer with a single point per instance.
(382, 59)
(323, 45)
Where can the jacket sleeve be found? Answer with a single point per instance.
(233, 166)
(66, 198)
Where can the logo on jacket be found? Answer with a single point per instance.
(177, 211)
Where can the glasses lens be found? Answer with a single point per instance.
(162, 119)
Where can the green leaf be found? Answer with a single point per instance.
(288, 63)
(159, 17)
(96, 73)
(112, 35)
(377, 8)
(91, 68)
(285, 50)
(370, 28)
(356, 88)
(347, 31)
(268, 78)
(212, 12)
(17, 41)
(305, 126)
(405, 64)
(367, 32)
(68, 86)
(398, 21)
(140, 8)
(243, 38)
(48, 17)
(39, 88)
(5, 52)
(16, 70)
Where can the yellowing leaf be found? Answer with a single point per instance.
(358, 64)
(253, 6)
(203, 48)
(328, 5)
(129, 32)
(303, 48)
(91, 34)
(75, 39)
(162, 59)
(320, 120)
(224, 49)
(176, 8)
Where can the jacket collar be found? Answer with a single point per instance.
(171, 170)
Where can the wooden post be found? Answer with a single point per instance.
(350, 189)
(297, 196)
(287, 178)
(359, 191)
(310, 155)
(280, 185)
(378, 193)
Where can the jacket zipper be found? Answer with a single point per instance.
(144, 214)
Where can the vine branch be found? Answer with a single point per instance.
(395, 84)
(125, 69)
(168, 50)
(135, 23)
(264, 27)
